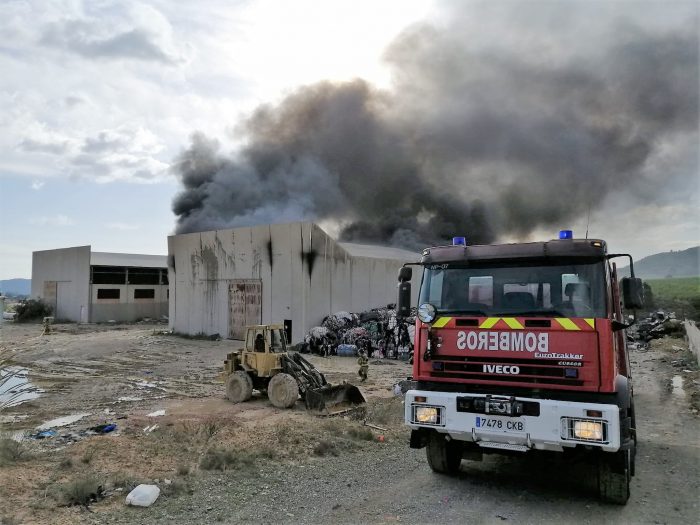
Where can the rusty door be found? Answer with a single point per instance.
(50, 295)
(245, 306)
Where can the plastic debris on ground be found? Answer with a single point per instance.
(104, 429)
(44, 434)
(157, 413)
(143, 495)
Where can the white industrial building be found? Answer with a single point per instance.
(295, 274)
(85, 286)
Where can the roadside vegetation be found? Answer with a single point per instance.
(30, 310)
(679, 294)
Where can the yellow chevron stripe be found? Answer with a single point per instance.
(441, 322)
(489, 322)
(513, 323)
(591, 322)
(566, 324)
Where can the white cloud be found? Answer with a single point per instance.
(136, 32)
(37, 185)
(55, 220)
(122, 226)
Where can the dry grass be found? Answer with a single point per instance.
(386, 412)
(326, 448)
(175, 488)
(126, 481)
(223, 459)
(87, 456)
(83, 490)
(361, 434)
(12, 452)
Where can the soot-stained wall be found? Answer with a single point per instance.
(305, 276)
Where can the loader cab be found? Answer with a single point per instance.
(269, 339)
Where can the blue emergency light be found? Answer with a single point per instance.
(459, 241)
(566, 234)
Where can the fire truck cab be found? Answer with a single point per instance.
(521, 347)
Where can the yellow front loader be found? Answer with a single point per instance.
(265, 365)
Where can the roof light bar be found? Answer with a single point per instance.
(566, 234)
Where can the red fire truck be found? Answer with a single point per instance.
(522, 347)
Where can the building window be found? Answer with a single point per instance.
(108, 275)
(145, 293)
(144, 275)
(108, 293)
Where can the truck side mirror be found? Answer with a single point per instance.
(632, 293)
(403, 307)
(405, 274)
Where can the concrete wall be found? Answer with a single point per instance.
(70, 269)
(693, 335)
(127, 308)
(305, 276)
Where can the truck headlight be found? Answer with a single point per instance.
(426, 415)
(589, 430)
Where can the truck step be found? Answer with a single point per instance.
(502, 446)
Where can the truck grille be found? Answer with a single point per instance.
(473, 368)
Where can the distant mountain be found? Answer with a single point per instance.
(16, 287)
(685, 263)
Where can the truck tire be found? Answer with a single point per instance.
(614, 477)
(444, 456)
(283, 391)
(633, 459)
(239, 387)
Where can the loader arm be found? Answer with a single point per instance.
(314, 388)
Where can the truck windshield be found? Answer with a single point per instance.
(562, 290)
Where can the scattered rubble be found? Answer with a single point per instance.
(379, 332)
(655, 325)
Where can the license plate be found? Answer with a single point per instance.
(500, 424)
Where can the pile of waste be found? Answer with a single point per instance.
(378, 332)
(654, 326)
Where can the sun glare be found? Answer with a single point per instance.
(286, 44)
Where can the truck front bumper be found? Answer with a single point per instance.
(552, 424)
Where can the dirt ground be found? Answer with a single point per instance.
(219, 462)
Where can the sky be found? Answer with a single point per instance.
(99, 98)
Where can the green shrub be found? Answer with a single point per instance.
(31, 309)
(223, 459)
(326, 448)
(82, 491)
(361, 434)
(12, 451)
(126, 481)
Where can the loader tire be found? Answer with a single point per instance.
(283, 391)
(239, 387)
(443, 456)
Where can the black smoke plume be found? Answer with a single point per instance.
(481, 140)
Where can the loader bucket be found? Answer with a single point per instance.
(333, 397)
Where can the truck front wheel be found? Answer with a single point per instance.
(614, 472)
(444, 456)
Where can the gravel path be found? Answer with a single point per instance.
(389, 483)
